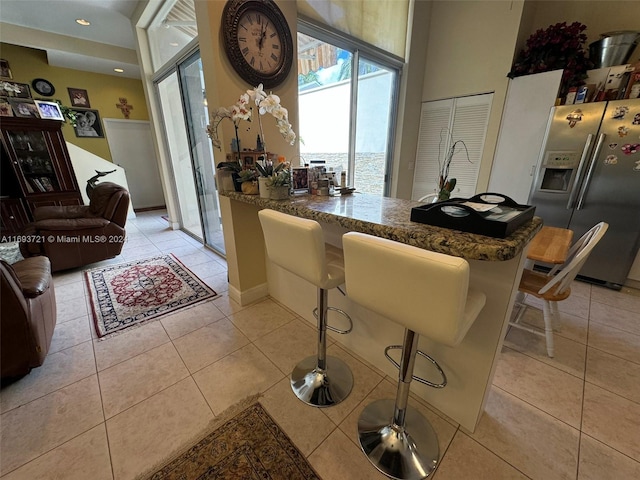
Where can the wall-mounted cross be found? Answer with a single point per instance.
(124, 107)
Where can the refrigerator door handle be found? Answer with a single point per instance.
(576, 182)
(592, 165)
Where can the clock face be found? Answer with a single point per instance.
(259, 42)
(43, 87)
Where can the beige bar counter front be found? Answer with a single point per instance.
(496, 266)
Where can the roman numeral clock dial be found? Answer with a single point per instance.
(257, 41)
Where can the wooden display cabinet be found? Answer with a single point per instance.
(36, 171)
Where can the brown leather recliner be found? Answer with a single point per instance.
(73, 236)
(27, 315)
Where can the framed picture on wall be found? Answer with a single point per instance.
(24, 107)
(49, 110)
(5, 108)
(88, 124)
(5, 71)
(15, 90)
(79, 97)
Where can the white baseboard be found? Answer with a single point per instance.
(246, 297)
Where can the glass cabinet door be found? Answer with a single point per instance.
(33, 160)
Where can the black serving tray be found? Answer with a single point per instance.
(507, 217)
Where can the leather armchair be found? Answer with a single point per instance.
(27, 315)
(77, 235)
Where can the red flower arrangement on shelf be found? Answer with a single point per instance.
(560, 46)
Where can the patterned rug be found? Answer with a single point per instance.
(131, 293)
(249, 446)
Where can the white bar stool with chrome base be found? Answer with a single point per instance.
(297, 245)
(428, 294)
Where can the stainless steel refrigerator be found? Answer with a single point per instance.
(589, 171)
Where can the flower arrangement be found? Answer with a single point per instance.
(236, 113)
(559, 46)
(446, 184)
(242, 110)
(271, 104)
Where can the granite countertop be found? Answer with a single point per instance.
(389, 218)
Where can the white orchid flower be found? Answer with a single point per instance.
(280, 113)
(266, 103)
(257, 94)
(240, 112)
(269, 104)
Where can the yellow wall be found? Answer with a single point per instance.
(104, 91)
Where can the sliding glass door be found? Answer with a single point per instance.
(373, 127)
(184, 113)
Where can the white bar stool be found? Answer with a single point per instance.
(297, 245)
(428, 294)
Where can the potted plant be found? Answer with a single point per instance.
(446, 184)
(228, 175)
(241, 110)
(265, 170)
(279, 182)
(248, 181)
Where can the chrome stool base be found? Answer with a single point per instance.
(392, 449)
(321, 388)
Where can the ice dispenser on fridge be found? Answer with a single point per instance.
(559, 170)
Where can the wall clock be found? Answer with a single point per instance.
(257, 41)
(43, 87)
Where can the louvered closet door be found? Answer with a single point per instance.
(444, 121)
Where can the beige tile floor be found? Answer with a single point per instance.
(112, 409)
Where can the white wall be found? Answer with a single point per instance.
(328, 107)
(85, 165)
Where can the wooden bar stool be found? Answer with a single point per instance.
(428, 294)
(297, 245)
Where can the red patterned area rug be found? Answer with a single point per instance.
(131, 293)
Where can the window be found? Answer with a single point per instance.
(347, 121)
(443, 122)
(171, 30)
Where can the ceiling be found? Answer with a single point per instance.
(107, 43)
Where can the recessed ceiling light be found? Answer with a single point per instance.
(174, 44)
(119, 70)
(83, 22)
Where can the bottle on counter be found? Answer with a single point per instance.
(343, 179)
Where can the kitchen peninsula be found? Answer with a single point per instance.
(496, 266)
